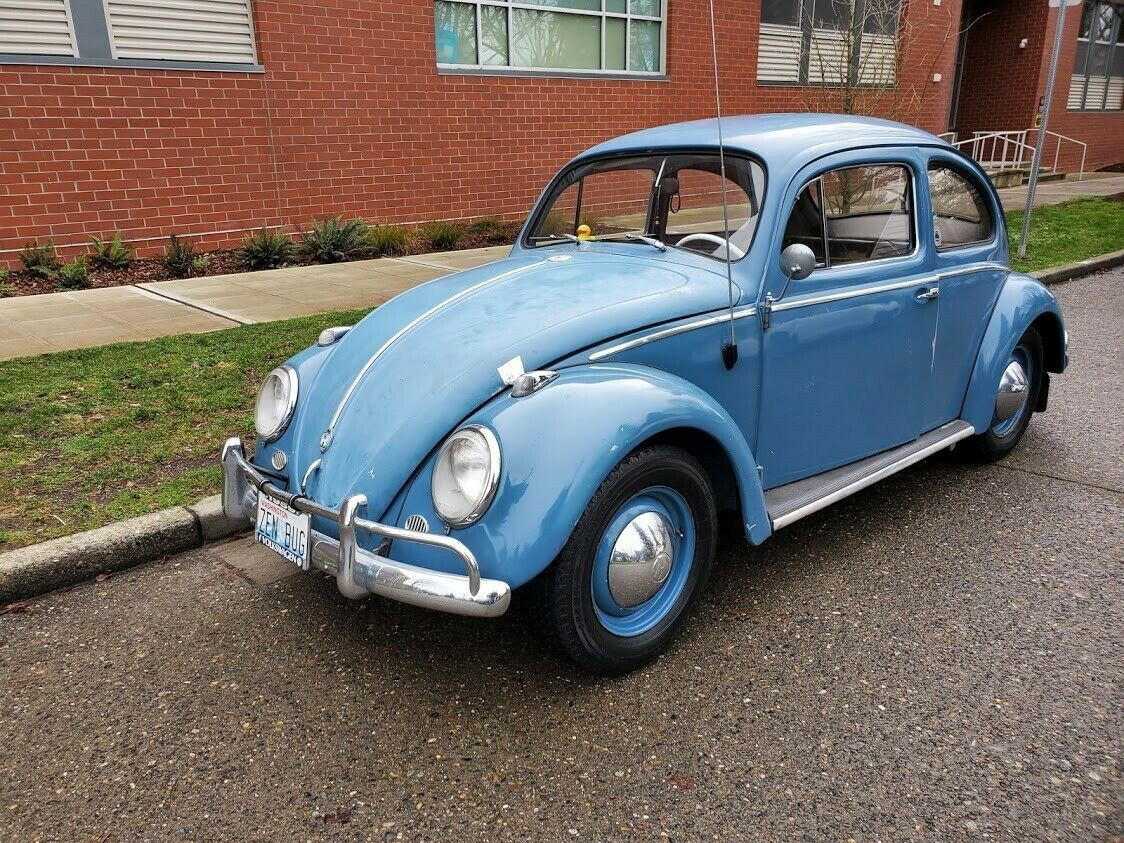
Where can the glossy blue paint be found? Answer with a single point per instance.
(828, 381)
(636, 620)
(559, 444)
(1022, 301)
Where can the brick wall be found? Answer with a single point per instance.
(1003, 83)
(352, 117)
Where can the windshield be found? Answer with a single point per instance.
(670, 199)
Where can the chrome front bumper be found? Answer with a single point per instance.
(359, 572)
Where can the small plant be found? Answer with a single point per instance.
(387, 239)
(200, 263)
(6, 289)
(266, 249)
(442, 235)
(334, 240)
(492, 229)
(75, 275)
(111, 254)
(41, 261)
(179, 258)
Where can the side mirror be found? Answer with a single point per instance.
(797, 262)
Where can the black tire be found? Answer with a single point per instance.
(567, 603)
(990, 446)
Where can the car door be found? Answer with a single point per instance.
(847, 351)
(970, 260)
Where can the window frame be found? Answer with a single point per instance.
(94, 47)
(807, 29)
(601, 14)
(828, 267)
(943, 163)
(1113, 44)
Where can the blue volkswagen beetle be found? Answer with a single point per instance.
(683, 328)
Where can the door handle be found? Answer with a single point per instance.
(928, 294)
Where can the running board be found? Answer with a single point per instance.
(793, 501)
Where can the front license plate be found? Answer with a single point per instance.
(283, 530)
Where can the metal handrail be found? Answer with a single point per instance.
(1014, 148)
(1058, 148)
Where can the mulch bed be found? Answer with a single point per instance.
(220, 262)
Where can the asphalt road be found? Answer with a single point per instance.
(938, 657)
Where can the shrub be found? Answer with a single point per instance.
(266, 249)
(442, 235)
(492, 229)
(334, 240)
(179, 258)
(111, 254)
(75, 275)
(200, 263)
(42, 261)
(387, 239)
(6, 289)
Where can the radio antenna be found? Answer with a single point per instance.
(730, 347)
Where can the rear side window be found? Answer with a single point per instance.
(961, 215)
(855, 214)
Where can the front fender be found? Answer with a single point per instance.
(1022, 301)
(559, 444)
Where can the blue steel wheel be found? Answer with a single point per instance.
(638, 558)
(1016, 397)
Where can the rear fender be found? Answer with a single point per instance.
(557, 447)
(1022, 302)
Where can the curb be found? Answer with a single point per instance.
(39, 568)
(1069, 271)
(34, 570)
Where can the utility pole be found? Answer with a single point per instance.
(1032, 185)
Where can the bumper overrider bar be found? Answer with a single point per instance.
(360, 572)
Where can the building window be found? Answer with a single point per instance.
(567, 36)
(1097, 83)
(829, 42)
(39, 27)
(193, 34)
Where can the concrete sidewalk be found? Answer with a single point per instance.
(1053, 192)
(84, 318)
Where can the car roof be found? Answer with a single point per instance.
(772, 137)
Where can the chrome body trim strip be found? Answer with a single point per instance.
(872, 478)
(326, 439)
(855, 292)
(671, 332)
(360, 572)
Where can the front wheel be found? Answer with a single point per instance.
(1015, 399)
(638, 559)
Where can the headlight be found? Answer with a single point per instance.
(276, 402)
(466, 475)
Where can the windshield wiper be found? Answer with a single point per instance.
(641, 238)
(573, 238)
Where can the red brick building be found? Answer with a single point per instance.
(209, 118)
(1005, 57)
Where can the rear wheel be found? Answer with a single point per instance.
(1015, 400)
(640, 555)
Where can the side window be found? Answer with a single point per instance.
(869, 213)
(806, 223)
(960, 212)
(855, 214)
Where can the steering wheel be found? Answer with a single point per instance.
(735, 252)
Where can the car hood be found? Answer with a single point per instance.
(408, 373)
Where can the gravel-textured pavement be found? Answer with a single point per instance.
(938, 657)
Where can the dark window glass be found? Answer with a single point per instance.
(805, 225)
(960, 213)
(780, 11)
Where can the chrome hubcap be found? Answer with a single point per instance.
(1014, 387)
(641, 559)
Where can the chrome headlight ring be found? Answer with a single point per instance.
(466, 475)
(279, 387)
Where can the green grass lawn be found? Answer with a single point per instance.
(1072, 231)
(107, 433)
(103, 434)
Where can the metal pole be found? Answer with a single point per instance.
(1033, 184)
